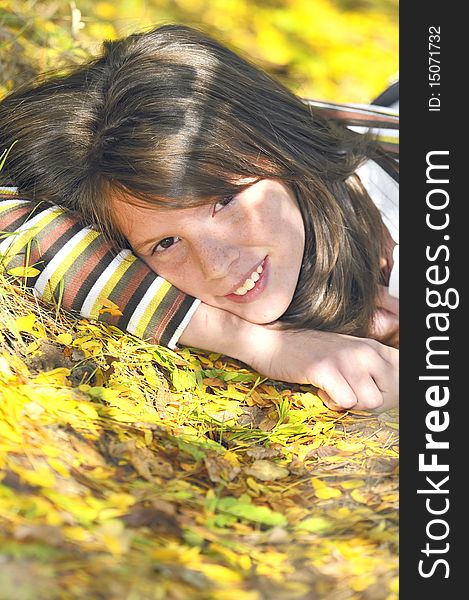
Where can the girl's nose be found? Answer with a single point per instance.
(216, 258)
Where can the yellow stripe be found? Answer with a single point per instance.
(5, 191)
(111, 284)
(66, 263)
(388, 139)
(7, 204)
(24, 237)
(151, 308)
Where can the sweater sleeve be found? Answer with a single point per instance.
(77, 266)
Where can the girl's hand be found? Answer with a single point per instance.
(350, 372)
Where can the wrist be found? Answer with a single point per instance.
(221, 331)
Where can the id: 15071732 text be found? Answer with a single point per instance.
(434, 68)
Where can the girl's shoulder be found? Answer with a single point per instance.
(382, 122)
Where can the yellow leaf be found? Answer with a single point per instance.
(359, 583)
(360, 496)
(26, 323)
(76, 534)
(58, 466)
(121, 500)
(350, 447)
(42, 477)
(222, 575)
(315, 524)
(33, 348)
(23, 272)
(326, 493)
(114, 537)
(352, 484)
(88, 410)
(110, 307)
(317, 483)
(394, 585)
(245, 562)
(235, 594)
(105, 10)
(7, 433)
(55, 377)
(64, 338)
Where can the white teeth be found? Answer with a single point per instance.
(240, 291)
(250, 282)
(247, 285)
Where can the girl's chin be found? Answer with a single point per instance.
(258, 316)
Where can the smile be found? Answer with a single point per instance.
(250, 282)
(252, 286)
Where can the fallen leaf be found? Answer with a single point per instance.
(266, 470)
(24, 272)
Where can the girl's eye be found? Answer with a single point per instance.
(221, 203)
(164, 244)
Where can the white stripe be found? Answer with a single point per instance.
(102, 280)
(25, 227)
(386, 110)
(172, 344)
(394, 133)
(364, 109)
(394, 275)
(58, 259)
(143, 304)
(384, 191)
(14, 201)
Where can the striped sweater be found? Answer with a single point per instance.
(76, 266)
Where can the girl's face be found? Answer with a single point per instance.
(242, 254)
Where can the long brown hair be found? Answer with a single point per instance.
(173, 118)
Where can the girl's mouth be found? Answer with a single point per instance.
(253, 285)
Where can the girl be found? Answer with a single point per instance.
(229, 187)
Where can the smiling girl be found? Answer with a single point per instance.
(229, 187)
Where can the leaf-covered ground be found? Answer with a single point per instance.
(130, 472)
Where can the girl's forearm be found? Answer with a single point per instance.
(221, 331)
(350, 371)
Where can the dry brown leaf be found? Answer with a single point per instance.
(266, 470)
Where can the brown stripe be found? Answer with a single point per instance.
(49, 235)
(125, 294)
(13, 217)
(77, 276)
(349, 113)
(157, 333)
(177, 319)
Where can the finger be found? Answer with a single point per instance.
(336, 389)
(373, 379)
(368, 392)
(329, 402)
(387, 381)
